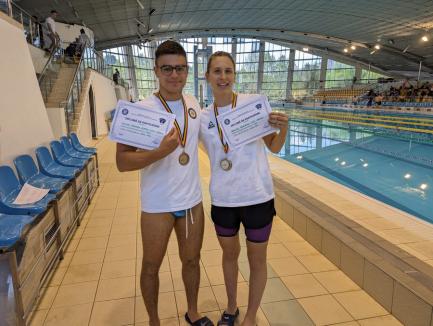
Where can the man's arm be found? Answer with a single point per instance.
(129, 159)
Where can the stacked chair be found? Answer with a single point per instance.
(33, 236)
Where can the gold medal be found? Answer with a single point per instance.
(226, 164)
(183, 158)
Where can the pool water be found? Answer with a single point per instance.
(392, 166)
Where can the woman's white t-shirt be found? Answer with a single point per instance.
(166, 185)
(249, 181)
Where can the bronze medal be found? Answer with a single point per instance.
(192, 113)
(183, 158)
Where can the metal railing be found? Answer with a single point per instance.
(32, 27)
(89, 59)
(49, 73)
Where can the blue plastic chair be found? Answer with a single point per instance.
(77, 145)
(28, 172)
(12, 228)
(71, 151)
(9, 190)
(48, 166)
(61, 157)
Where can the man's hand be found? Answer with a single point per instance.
(169, 143)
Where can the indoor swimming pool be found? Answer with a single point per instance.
(368, 153)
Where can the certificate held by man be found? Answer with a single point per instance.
(138, 126)
(246, 123)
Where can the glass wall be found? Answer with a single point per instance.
(368, 76)
(275, 71)
(339, 75)
(143, 61)
(247, 65)
(116, 58)
(306, 71)
(306, 74)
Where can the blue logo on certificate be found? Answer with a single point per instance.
(258, 106)
(162, 121)
(227, 121)
(125, 111)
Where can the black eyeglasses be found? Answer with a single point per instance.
(167, 70)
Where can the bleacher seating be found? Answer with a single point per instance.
(32, 236)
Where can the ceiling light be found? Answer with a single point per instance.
(305, 49)
(343, 163)
(424, 38)
(299, 157)
(423, 186)
(345, 50)
(336, 159)
(407, 176)
(377, 47)
(365, 165)
(140, 4)
(150, 30)
(353, 47)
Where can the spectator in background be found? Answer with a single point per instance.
(83, 39)
(116, 77)
(50, 32)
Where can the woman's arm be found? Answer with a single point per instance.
(129, 159)
(274, 142)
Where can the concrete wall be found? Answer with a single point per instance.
(24, 122)
(38, 57)
(105, 101)
(68, 32)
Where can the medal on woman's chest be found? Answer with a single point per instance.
(225, 163)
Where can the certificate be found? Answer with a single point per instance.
(140, 126)
(246, 123)
(29, 195)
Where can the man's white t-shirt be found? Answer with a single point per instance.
(166, 185)
(50, 21)
(249, 181)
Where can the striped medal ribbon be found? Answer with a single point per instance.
(225, 163)
(184, 157)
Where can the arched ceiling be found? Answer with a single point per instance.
(325, 26)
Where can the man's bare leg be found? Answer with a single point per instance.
(189, 253)
(155, 230)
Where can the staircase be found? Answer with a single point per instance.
(82, 100)
(61, 86)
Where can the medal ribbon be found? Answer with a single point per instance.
(183, 135)
(220, 132)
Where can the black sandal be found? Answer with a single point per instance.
(204, 321)
(228, 319)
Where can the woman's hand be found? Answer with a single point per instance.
(279, 120)
(275, 141)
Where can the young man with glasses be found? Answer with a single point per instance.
(170, 185)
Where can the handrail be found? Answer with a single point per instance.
(30, 25)
(76, 70)
(49, 61)
(89, 59)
